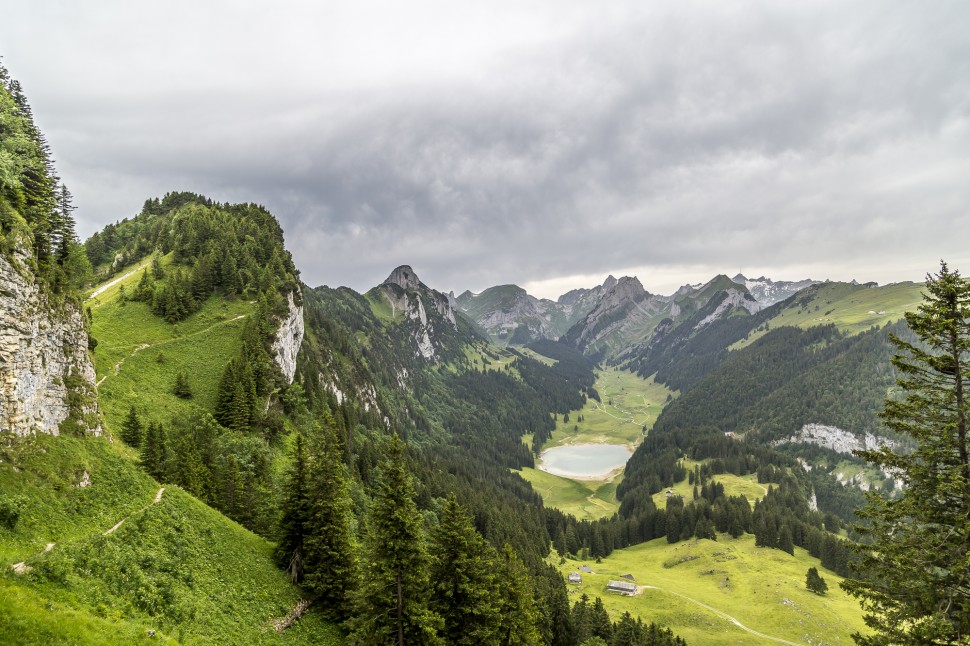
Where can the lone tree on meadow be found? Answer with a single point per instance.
(815, 583)
(914, 579)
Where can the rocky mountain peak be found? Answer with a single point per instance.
(404, 277)
(628, 287)
(609, 283)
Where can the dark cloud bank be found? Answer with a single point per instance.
(545, 148)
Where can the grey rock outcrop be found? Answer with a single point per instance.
(43, 358)
(428, 311)
(289, 337)
(405, 278)
(768, 292)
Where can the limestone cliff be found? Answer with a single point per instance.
(430, 314)
(289, 337)
(47, 381)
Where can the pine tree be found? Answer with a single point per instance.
(331, 565)
(785, 543)
(295, 515)
(519, 612)
(182, 388)
(815, 583)
(916, 576)
(131, 429)
(465, 592)
(153, 451)
(602, 627)
(392, 601)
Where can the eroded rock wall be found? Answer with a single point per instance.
(289, 337)
(46, 374)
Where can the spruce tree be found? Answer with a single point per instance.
(131, 429)
(785, 543)
(295, 515)
(815, 583)
(465, 592)
(331, 565)
(392, 602)
(520, 614)
(182, 388)
(153, 451)
(915, 584)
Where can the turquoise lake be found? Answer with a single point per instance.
(584, 460)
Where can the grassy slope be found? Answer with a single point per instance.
(178, 566)
(636, 403)
(138, 354)
(848, 307)
(746, 486)
(763, 589)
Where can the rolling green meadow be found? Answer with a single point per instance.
(697, 587)
(139, 354)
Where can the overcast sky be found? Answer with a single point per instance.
(546, 144)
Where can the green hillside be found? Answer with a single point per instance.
(703, 589)
(173, 565)
(851, 308)
(139, 355)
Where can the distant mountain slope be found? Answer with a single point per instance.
(768, 292)
(435, 330)
(628, 318)
(511, 316)
(853, 308)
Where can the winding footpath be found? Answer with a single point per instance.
(145, 346)
(23, 568)
(115, 281)
(724, 615)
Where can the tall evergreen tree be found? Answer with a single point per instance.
(331, 565)
(153, 451)
(814, 582)
(295, 516)
(132, 429)
(915, 584)
(392, 601)
(465, 592)
(520, 615)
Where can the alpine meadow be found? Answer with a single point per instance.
(203, 442)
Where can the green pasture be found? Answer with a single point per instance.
(697, 587)
(584, 499)
(139, 354)
(628, 404)
(852, 308)
(746, 486)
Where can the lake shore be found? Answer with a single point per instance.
(608, 468)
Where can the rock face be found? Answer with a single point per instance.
(404, 277)
(427, 311)
(46, 374)
(624, 309)
(733, 298)
(768, 292)
(835, 438)
(510, 315)
(289, 337)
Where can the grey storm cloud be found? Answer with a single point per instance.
(510, 144)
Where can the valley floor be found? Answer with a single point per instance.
(724, 592)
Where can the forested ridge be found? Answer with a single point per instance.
(36, 207)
